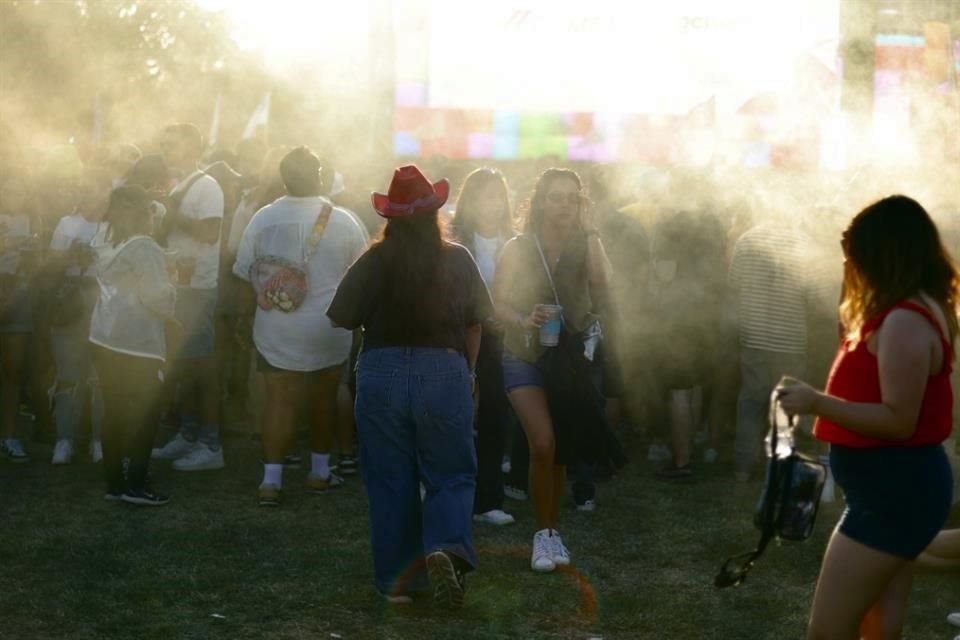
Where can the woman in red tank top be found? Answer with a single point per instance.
(886, 410)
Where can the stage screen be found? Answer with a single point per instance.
(601, 80)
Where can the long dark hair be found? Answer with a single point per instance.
(464, 220)
(412, 257)
(894, 252)
(128, 213)
(534, 214)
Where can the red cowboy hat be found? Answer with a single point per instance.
(410, 193)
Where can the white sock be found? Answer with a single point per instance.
(273, 474)
(320, 464)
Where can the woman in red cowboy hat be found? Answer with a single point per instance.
(420, 301)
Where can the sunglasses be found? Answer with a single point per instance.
(559, 198)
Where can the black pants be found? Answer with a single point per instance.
(131, 400)
(492, 422)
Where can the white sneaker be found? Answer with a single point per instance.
(96, 451)
(201, 458)
(176, 448)
(62, 452)
(587, 506)
(954, 619)
(496, 517)
(659, 453)
(561, 556)
(541, 560)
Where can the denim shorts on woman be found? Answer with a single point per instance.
(898, 499)
(519, 373)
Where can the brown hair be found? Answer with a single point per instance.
(534, 217)
(464, 221)
(894, 252)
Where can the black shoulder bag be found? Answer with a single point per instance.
(787, 509)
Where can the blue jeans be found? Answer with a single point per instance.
(73, 355)
(414, 414)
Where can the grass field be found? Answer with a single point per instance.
(214, 565)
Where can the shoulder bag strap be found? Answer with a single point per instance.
(546, 268)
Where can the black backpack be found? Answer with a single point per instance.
(788, 505)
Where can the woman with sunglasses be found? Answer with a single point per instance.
(886, 411)
(559, 260)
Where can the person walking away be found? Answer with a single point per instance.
(421, 302)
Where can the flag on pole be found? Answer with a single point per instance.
(259, 119)
(215, 124)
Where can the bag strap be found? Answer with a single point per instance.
(729, 576)
(316, 232)
(546, 268)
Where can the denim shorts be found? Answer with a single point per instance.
(898, 499)
(519, 373)
(195, 310)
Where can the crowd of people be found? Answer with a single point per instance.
(456, 349)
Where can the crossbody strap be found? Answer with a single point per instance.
(316, 232)
(546, 268)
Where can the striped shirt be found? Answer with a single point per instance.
(778, 275)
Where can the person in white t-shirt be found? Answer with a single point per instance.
(72, 261)
(483, 223)
(192, 227)
(301, 354)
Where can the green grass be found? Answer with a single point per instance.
(214, 565)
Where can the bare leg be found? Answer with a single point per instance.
(322, 411)
(853, 579)
(284, 390)
(345, 431)
(530, 405)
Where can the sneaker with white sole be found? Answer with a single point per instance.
(514, 493)
(200, 458)
(176, 448)
(13, 449)
(62, 452)
(954, 619)
(561, 555)
(587, 506)
(113, 496)
(96, 451)
(446, 579)
(320, 485)
(541, 560)
(144, 498)
(496, 517)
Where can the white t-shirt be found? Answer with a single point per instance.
(485, 252)
(75, 229)
(303, 340)
(203, 201)
(13, 229)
